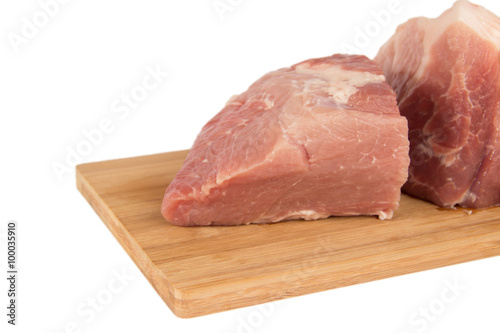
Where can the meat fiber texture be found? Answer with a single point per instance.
(445, 72)
(321, 138)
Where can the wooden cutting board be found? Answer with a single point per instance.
(198, 271)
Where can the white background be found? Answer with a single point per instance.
(71, 73)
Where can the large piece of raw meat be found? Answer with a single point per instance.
(321, 138)
(445, 72)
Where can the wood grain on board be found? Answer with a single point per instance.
(203, 270)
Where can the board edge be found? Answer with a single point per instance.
(172, 297)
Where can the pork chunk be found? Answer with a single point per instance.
(323, 137)
(446, 74)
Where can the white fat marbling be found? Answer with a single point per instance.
(338, 82)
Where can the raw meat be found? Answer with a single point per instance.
(321, 138)
(446, 74)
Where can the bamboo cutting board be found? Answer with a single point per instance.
(198, 271)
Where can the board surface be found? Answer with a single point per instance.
(203, 270)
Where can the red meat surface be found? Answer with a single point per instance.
(323, 137)
(445, 72)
